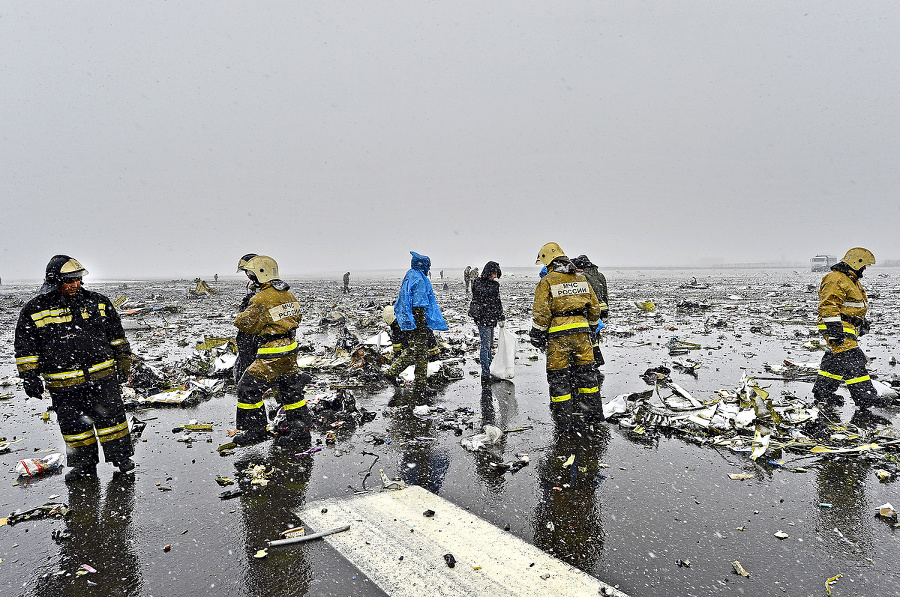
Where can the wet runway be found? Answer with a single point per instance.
(625, 510)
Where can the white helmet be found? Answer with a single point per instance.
(388, 315)
(263, 268)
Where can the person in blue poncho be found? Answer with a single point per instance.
(417, 312)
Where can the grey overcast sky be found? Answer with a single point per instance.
(169, 138)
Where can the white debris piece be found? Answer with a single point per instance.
(490, 437)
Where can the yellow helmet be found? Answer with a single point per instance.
(548, 253)
(263, 268)
(242, 262)
(388, 315)
(858, 258)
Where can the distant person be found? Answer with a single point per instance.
(73, 338)
(417, 314)
(564, 313)
(487, 311)
(346, 283)
(842, 320)
(246, 343)
(273, 315)
(473, 274)
(466, 277)
(597, 281)
(216, 278)
(442, 274)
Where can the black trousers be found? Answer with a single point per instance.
(93, 405)
(251, 411)
(848, 367)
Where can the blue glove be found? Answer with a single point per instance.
(600, 326)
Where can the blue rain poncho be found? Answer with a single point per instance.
(416, 291)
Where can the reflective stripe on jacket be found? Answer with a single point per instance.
(842, 299)
(272, 315)
(564, 303)
(69, 339)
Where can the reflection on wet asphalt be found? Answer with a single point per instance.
(622, 509)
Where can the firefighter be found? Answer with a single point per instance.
(842, 320)
(272, 316)
(246, 343)
(598, 284)
(73, 339)
(417, 314)
(565, 312)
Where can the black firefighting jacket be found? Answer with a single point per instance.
(69, 339)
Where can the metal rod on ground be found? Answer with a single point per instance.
(279, 542)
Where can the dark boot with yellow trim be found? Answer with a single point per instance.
(561, 413)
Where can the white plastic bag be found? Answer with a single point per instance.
(34, 466)
(504, 362)
(490, 437)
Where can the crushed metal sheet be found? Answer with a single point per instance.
(506, 565)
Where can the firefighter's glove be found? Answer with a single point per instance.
(123, 367)
(538, 338)
(864, 327)
(34, 387)
(835, 332)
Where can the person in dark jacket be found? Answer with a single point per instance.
(346, 289)
(487, 311)
(247, 344)
(73, 339)
(597, 282)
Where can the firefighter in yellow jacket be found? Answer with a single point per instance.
(842, 320)
(565, 311)
(272, 315)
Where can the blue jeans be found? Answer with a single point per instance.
(487, 344)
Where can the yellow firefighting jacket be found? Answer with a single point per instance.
(564, 302)
(272, 314)
(69, 339)
(842, 299)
